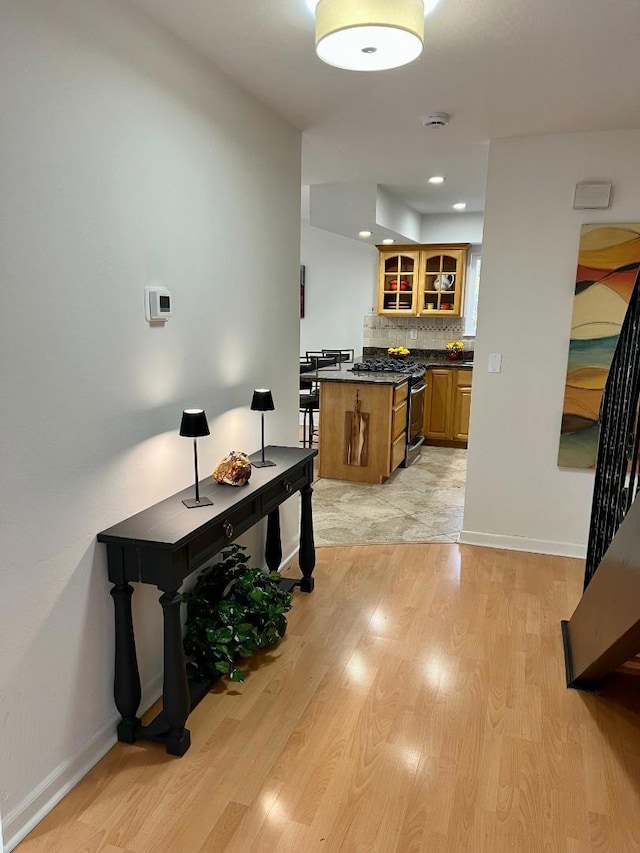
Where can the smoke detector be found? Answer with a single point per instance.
(436, 120)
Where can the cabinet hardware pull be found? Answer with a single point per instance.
(228, 529)
(288, 486)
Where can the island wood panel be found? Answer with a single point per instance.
(336, 400)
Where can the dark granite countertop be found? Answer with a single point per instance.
(343, 372)
(428, 357)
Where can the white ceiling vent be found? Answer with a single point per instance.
(436, 120)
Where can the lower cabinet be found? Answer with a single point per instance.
(363, 430)
(447, 405)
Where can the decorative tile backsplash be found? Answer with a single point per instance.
(433, 333)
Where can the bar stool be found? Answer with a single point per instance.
(309, 402)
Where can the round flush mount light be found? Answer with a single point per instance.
(364, 233)
(388, 241)
(369, 35)
(460, 205)
(436, 179)
(429, 5)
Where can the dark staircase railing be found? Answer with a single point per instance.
(604, 631)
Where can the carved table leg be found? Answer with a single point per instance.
(307, 557)
(273, 547)
(176, 703)
(126, 683)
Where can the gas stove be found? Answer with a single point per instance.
(408, 366)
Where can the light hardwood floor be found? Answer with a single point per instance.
(417, 704)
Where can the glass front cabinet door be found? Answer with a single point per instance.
(398, 282)
(442, 280)
(422, 280)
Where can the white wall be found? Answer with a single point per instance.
(341, 281)
(516, 495)
(452, 228)
(123, 160)
(396, 216)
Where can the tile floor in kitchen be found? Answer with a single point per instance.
(422, 503)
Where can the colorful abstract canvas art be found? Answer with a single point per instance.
(608, 262)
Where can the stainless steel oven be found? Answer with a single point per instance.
(415, 419)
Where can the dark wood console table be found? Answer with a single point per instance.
(167, 542)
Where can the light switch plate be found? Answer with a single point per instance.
(495, 362)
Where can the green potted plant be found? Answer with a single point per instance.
(232, 611)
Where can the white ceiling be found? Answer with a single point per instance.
(498, 67)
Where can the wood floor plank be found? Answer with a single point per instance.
(417, 703)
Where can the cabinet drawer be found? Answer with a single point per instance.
(464, 377)
(400, 393)
(397, 450)
(279, 492)
(399, 420)
(213, 540)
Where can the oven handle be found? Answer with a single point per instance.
(416, 389)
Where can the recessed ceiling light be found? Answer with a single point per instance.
(460, 205)
(436, 179)
(364, 233)
(388, 241)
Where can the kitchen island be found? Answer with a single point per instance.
(363, 423)
(369, 422)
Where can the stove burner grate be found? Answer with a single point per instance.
(389, 365)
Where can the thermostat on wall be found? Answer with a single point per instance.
(157, 304)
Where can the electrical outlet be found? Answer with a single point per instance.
(413, 334)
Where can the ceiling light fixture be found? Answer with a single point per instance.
(429, 5)
(436, 179)
(388, 241)
(369, 35)
(460, 205)
(364, 233)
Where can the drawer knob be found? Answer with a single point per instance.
(228, 529)
(288, 486)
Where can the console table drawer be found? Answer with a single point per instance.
(279, 492)
(236, 522)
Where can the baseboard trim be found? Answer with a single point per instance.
(522, 543)
(294, 550)
(37, 805)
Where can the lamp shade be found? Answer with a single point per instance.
(369, 35)
(194, 423)
(262, 400)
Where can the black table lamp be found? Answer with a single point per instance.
(194, 425)
(262, 402)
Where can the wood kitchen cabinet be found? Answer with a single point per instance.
(383, 408)
(398, 281)
(447, 406)
(422, 280)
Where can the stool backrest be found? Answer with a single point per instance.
(339, 354)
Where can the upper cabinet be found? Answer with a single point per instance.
(425, 280)
(399, 282)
